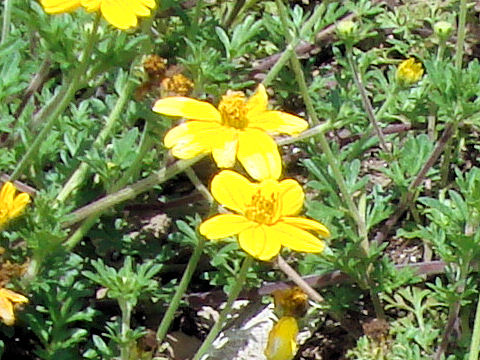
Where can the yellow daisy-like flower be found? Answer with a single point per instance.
(264, 221)
(239, 128)
(10, 205)
(120, 13)
(282, 340)
(7, 299)
(409, 72)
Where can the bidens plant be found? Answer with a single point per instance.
(10, 205)
(265, 218)
(239, 128)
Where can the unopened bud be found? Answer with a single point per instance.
(443, 29)
(347, 30)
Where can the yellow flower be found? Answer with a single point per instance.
(264, 222)
(7, 299)
(120, 13)
(282, 340)
(10, 205)
(239, 128)
(409, 72)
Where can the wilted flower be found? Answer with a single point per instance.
(264, 221)
(177, 84)
(7, 300)
(409, 72)
(282, 340)
(239, 128)
(120, 13)
(291, 302)
(10, 205)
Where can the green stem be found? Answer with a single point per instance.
(125, 344)
(180, 291)
(237, 287)
(7, 15)
(79, 175)
(461, 34)
(130, 191)
(367, 105)
(441, 49)
(475, 344)
(52, 117)
(290, 49)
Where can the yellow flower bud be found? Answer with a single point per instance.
(347, 30)
(409, 72)
(282, 340)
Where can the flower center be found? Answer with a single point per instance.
(262, 210)
(233, 109)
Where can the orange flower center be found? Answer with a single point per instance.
(233, 110)
(262, 210)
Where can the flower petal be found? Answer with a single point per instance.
(257, 103)
(295, 238)
(59, 6)
(224, 225)
(224, 150)
(282, 339)
(258, 242)
(119, 13)
(12, 296)
(6, 311)
(19, 204)
(278, 122)
(290, 196)
(232, 190)
(191, 138)
(91, 5)
(307, 224)
(259, 155)
(6, 195)
(187, 108)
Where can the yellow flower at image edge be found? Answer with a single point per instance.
(7, 299)
(10, 205)
(264, 221)
(282, 340)
(409, 72)
(120, 13)
(239, 128)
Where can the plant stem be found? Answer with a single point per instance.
(79, 175)
(290, 49)
(130, 191)
(7, 15)
(70, 88)
(475, 344)
(237, 287)
(367, 105)
(125, 345)
(180, 291)
(461, 34)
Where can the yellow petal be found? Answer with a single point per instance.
(224, 150)
(291, 197)
(257, 242)
(59, 6)
(187, 108)
(224, 225)
(278, 122)
(282, 339)
(149, 3)
(232, 190)
(189, 139)
(91, 5)
(19, 204)
(12, 296)
(295, 238)
(119, 13)
(307, 224)
(6, 311)
(257, 104)
(259, 155)
(6, 195)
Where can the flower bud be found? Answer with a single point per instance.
(443, 29)
(409, 72)
(347, 31)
